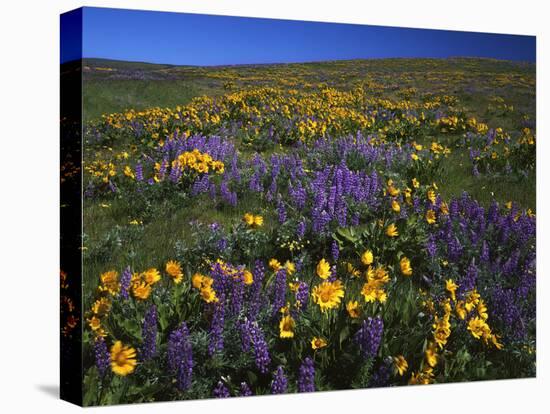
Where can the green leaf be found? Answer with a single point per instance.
(344, 334)
(91, 387)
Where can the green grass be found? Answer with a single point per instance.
(108, 96)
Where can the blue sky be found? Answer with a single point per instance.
(193, 39)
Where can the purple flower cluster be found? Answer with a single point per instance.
(180, 356)
(245, 329)
(306, 376)
(217, 326)
(149, 334)
(381, 376)
(256, 291)
(279, 293)
(504, 239)
(280, 382)
(261, 350)
(302, 295)
(125, 281)
(245, 390)
(102, 356)
(221, 391)
(335, 250)
(369, 336)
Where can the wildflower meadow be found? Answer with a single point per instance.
(272, 229)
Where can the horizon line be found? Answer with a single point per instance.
(306, 61)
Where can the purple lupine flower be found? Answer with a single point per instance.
(256, 290)
(139, 172)
(280, 383)
(245, 329)
(506, 310)
(454, 208)
(163, 168)
(484, 257)
(335, 250)
(306, 376)
(237, 295)
(261, 351)
(511, 265)
(201, 185)
(102, 356)
(320, 220)
(245, 390)
(302, 295)
(369, 336)
(279, 294)
(217, 326)
(298, 195)
(175, 174)
(222, 244)
(125, 281)
(227, 195)
(381, 377)
(301, 230)
(149, 334)
(492, 216)
(180, 356)
(281, 211)
(454, 248)
(221, 391)
(431, 247)
(468, 282)
(255, 183)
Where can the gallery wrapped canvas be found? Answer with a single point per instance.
(256, 206)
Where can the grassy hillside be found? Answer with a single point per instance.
(484, 88)
(313, 163)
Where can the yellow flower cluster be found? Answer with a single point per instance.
(200, 162)
(275, 265)
(253, 221)
(142, 283)
(373, 289)
(442, 327)
(204, 285)
(109, 282)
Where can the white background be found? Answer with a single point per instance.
(29, 236)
